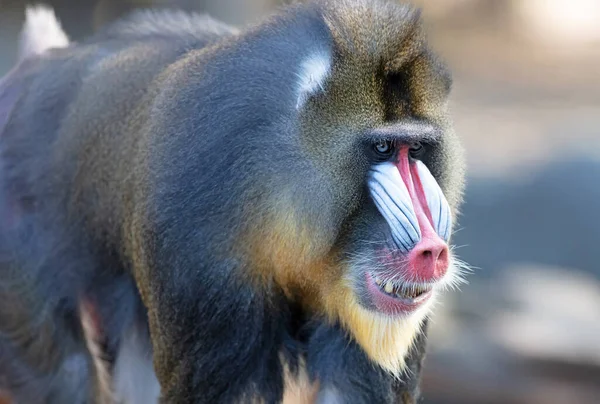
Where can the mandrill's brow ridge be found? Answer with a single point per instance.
(406, 131)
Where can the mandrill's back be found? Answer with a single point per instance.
(72, 116)
(85, 97)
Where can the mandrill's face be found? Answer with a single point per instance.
(396, 173)
(396, 255)
(410, 260)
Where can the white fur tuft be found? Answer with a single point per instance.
(313, 73)
(41, 31)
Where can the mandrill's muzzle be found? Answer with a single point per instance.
(419, 217)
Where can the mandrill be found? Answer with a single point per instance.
(196, 214)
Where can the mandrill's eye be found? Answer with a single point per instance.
(416, 149)
(384, 148)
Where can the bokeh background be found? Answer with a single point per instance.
(526, 101)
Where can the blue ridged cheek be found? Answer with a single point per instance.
(394, 203)
(393, 200)
(438, 205)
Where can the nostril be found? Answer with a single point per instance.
(429, 259)
(437, 253)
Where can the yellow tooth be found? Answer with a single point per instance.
(378, 281)
(389, 287)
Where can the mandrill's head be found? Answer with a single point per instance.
(371, 173)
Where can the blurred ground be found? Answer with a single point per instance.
(526, 102)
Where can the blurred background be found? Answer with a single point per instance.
(526, 101)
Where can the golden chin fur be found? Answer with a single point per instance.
(286, 255)
(386, 339)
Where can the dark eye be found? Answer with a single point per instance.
(384, 148)
(416, 149)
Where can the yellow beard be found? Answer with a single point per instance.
(386, 339)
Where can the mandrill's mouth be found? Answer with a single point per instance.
(397, 297)
(402, 290)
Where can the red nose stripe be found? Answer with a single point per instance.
(410, 176)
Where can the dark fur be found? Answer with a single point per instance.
(349, 377)
(129, 163)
